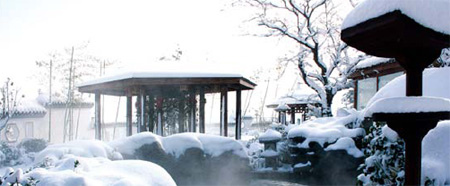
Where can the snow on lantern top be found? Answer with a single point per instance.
(432, 14)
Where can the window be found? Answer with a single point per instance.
(12, 132)
(29, 130)
(383, 80)
(366, 90)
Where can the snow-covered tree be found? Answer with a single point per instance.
(314, 25)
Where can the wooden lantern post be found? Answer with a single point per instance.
(414, 46)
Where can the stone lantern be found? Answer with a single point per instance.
(395, 34)
(270, 153)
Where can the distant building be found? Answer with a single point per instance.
(32, 119)
(370, 75)
(297, 100)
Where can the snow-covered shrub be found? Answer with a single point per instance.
(9, 154)
(385, 161)
(33, 145)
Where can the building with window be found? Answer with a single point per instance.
(38, 118)
(370, 75)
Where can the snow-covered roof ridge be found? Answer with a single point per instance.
(372, 61)
(432, 14)
(160, 74)
(410, 104)
(29, 107)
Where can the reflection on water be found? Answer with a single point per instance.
(264, 182)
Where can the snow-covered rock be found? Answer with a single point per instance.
(432, 14)
(81, 148)
(326, 130)
(270, 136)
(346, 143)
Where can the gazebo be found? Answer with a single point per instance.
(156, 91)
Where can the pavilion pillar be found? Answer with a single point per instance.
(238, 114)
(224, 111)
(181, 113)
(98, 109)
(159, 115)
(143, 122)
(293, 115)
(192, 109)
(201, 111)
(150, 113)
(129, 111)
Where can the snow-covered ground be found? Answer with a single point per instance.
(93, 162)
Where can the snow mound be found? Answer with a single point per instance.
(436, 83)
(432, 14)
(81, 148)
(346, 143)
(177, 144)
(270, 135)
(129, 144)
(73, 170)
(408, 105)
(436, 154)
(328, 129)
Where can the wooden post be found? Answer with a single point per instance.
(142, 124)
(238, 114)
(98, 109)
(224, 111)
(129, 122)
(414, 79)
(151, 110)
(202, 111)
(159, 115)
(293, 115)
(181, 112)
(192, 109)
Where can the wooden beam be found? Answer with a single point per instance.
(129, 122)
(293, 115)
(192, 110)
(159, 115)
(224, 111)
(181, 113)
(238, 115)
(98, 109)
(151, 111)
(202, 110)
(143, 123)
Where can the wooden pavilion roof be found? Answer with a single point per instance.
(131, 82)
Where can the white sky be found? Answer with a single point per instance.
(136, 33)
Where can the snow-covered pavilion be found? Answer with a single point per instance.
(155, 89)
(297, 100)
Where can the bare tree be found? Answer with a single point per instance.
(8, 102)
(314, 25)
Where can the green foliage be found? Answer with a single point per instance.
(33, 145)
(385, 160)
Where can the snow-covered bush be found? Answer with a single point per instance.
(9, 154)
(33, 145)
(385, 160)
